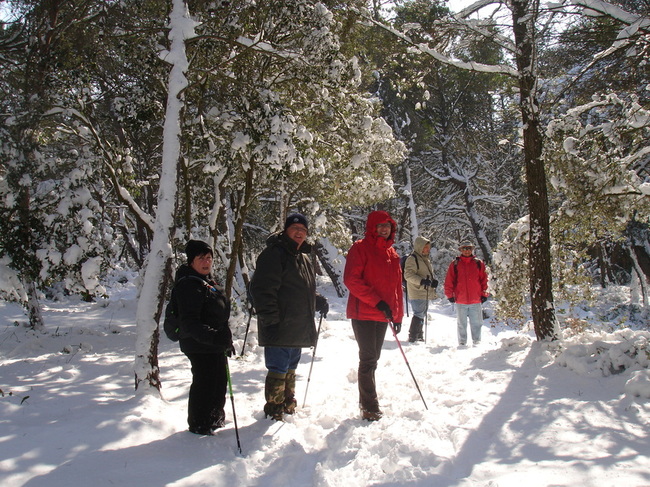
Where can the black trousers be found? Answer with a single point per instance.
(370, 338)
(208, 389)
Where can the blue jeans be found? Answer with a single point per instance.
(281, 359)
(475, 314)
(419, 307)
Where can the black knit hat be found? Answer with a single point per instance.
(295, 218)
(195, 248)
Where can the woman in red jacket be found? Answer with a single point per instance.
(466, 285)
(374, 278)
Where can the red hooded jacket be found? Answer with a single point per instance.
(373, 273)
(466, 280)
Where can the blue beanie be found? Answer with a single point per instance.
(295, 218)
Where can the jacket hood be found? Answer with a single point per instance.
(374, 219)
(419, 244)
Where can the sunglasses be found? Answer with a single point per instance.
(467, 248)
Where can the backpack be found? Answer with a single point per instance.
(172, 322)
(402, 263)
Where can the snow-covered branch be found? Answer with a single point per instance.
(425, 49)
(123, 194)
(598, 8)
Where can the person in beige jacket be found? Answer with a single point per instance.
(420, 285)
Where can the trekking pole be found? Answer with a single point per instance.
(304, 401)
(392, 327)
(426, 318)
(248, 325)
(232, 401)
(406, 299)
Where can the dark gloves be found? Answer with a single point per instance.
(384, 308)
(483, 299)
(452, 300)
(426, 283)
(398, 327)
(434, 283)
(322, 306)
(230, 350)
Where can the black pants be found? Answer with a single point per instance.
(208, 389)
(370, 338)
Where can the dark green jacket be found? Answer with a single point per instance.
(284, 294)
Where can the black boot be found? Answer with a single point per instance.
(415, 329)
(420, 337)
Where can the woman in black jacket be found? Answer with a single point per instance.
(205, 337)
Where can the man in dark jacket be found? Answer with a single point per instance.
(205, 337)
(284, 292)
(373, 276)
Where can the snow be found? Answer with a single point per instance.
(511, 411)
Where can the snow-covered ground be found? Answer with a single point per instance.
(510, 412)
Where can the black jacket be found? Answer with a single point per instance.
(204, 312)
(284, 294)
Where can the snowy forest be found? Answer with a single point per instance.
(132, 126)
(129, 127)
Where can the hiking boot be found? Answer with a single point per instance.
(218, 420)
(290, 406)
(201, 431)
(371, 415)
(274, 392)
(274, 411)
(290, 402)
(415, 330)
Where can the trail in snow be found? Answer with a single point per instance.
(499, 415)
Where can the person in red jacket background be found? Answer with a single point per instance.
(466, 285)
(374, 278)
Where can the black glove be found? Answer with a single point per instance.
(322, 306)
(434, 283)
(384, 308)
(483, 299)
(426, 283)
(230, 350)
(398, 327)
(452, 300)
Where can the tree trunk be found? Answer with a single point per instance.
(334, 274)
(474, 221)
(524, 16)
(413, 217)
(239, 230)
(157, 271)
(34, 308)
(643, 282)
